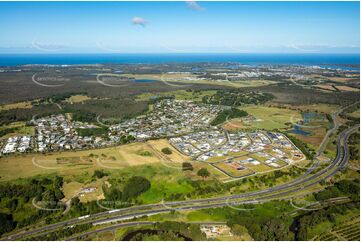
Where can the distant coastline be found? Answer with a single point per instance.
(345, 60)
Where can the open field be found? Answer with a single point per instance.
(158, 145)
(77, 99)
(232, 171)
(355, 114)
(269, 118)
(71, 189)
(343, 79)
(326, 87)
(316, 130)
(20, 128)
(73, 162)
(16, 105)
(315, 138)
(319, 107)
(169, 180)
(216, 159)
(347, 89)
(130, 154)
(94, 195)
(258, 168)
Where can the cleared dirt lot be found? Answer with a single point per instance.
(176, 156)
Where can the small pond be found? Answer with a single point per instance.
(307, 118)
(298, 130)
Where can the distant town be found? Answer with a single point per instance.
(58, 132)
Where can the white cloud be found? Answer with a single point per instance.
(303, 48)
(47, 46)
(319, 47)
(194, 5)
(139, 21)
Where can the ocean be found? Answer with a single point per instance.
(324, 60)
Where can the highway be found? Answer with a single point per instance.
(140, 223)
(308, 179)
(330, 132)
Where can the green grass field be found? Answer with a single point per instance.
(269, 118)
(73, 163)
(20, 129)
(232, 171)
(355, 114)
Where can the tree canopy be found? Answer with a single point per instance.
(203, 172)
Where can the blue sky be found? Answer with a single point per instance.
(142, 27)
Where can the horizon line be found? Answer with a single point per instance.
(178, 53)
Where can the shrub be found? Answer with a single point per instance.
(186, 166)
(167, 151)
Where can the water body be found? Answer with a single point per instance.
(298, 130)
(324, 60)
(307, 117)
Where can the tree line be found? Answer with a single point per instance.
(228, 114)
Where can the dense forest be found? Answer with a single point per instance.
(15, 197)
(167, 231)
(354, 146)
(236, 97)
(228, 114)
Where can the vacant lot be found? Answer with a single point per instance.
(233, 171)
(19, 128)
(77, 99)
(347, 89)
(326, 87)
(355, 114)
(158, 145)
(16, 105)
(71, 189)
(267, 118)
(320, 107)
(72, 162)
